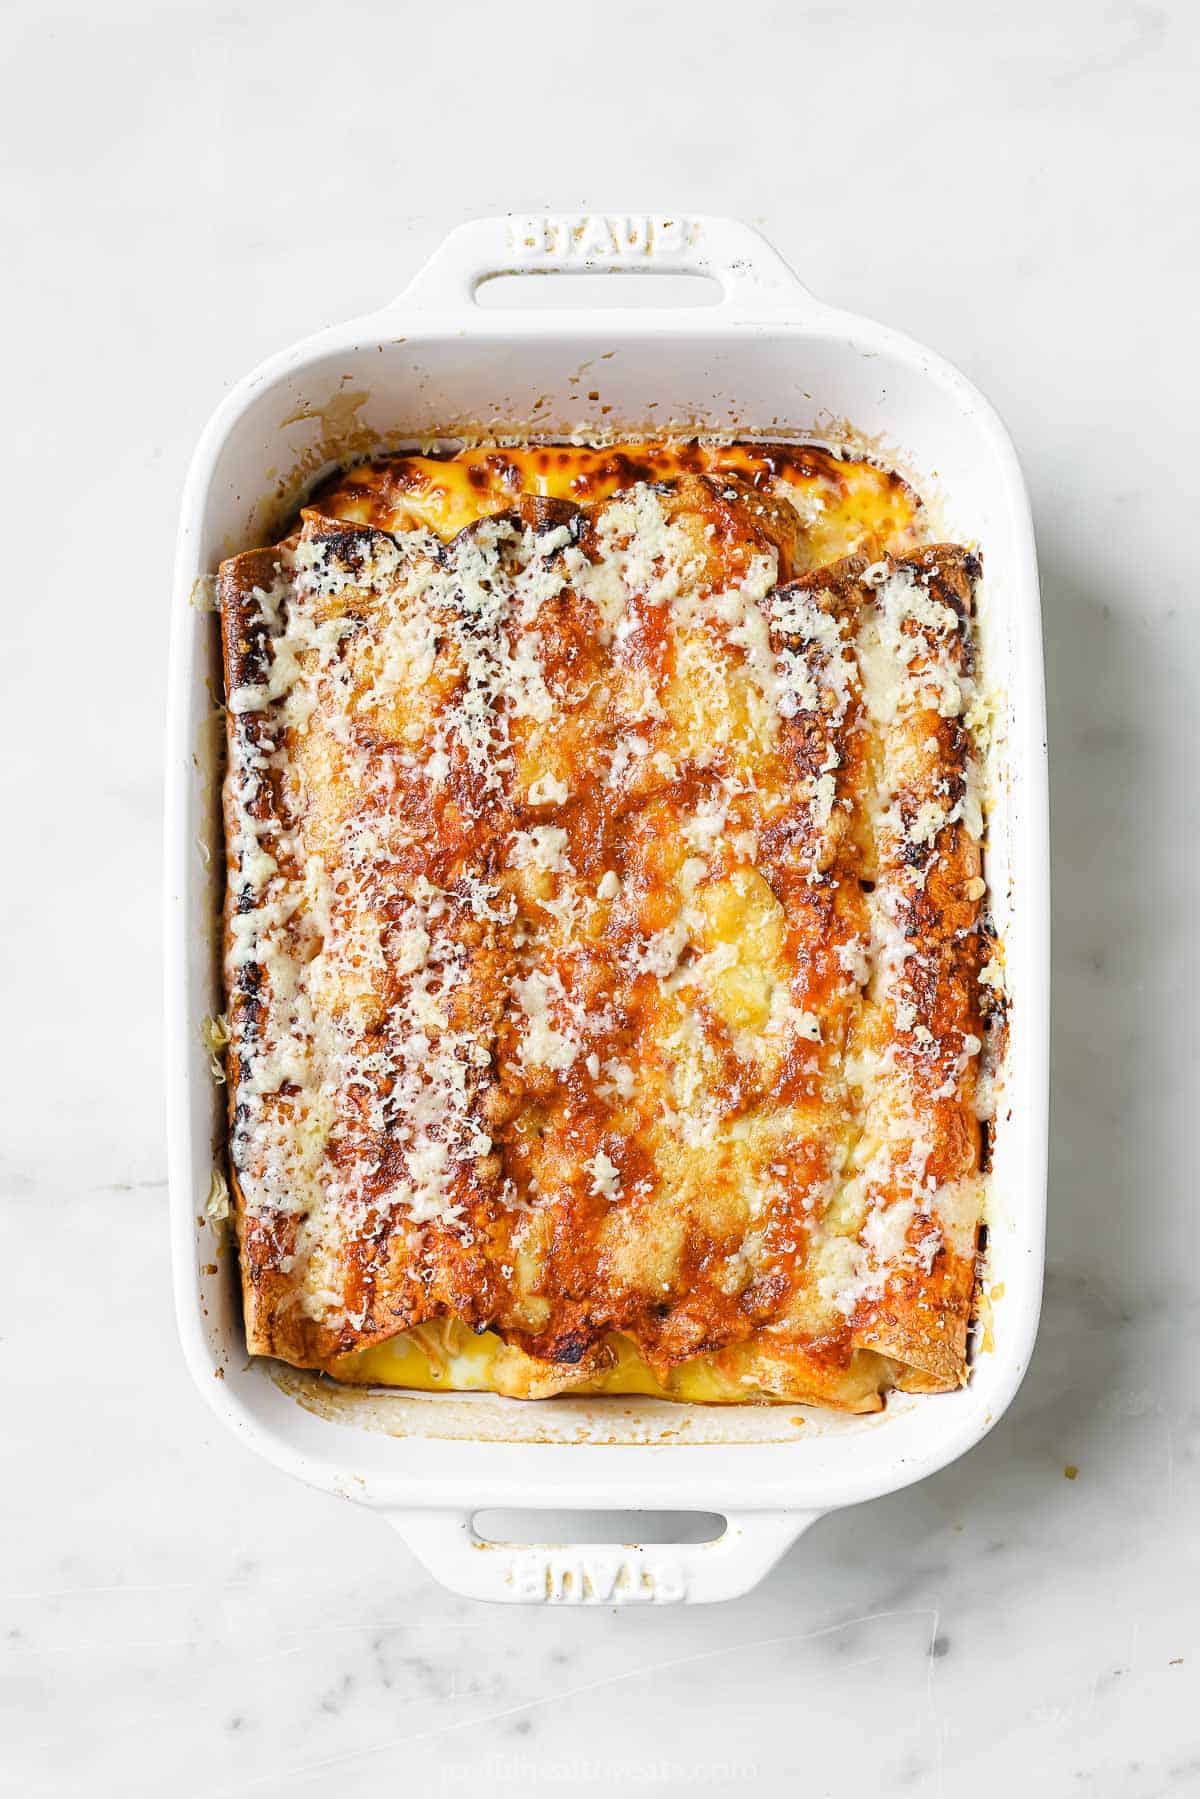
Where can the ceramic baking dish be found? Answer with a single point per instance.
(767, 359)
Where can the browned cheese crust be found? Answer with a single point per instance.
(603, 937)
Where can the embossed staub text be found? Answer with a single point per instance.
(594, 1577)
(608, 237)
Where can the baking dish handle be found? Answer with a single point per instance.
(753, 276)
(600, 1574)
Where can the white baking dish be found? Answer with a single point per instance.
(767, 360)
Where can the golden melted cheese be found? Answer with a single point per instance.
(604, 927)
(842, 501)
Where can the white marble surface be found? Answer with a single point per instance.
(190, 186)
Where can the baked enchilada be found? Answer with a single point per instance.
(608, 962)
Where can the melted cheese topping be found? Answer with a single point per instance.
(603, 935)
(842, 501)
